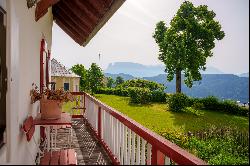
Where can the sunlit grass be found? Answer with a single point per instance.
(157, 117)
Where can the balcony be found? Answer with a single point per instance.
(103, 135)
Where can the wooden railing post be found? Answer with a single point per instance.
(157, 157)
(99, 122)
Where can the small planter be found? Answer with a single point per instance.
(50, 109)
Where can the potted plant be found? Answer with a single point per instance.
(50, 101)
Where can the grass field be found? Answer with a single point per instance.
(157, 118)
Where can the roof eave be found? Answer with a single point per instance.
(117, 4)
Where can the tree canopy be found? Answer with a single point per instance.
(95, 77)
(80, 70)
(110, 82)
(185, 45)
(119, 80)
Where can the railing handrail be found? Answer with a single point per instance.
(168, 148)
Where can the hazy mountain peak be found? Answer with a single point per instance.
(244, 74)
(140, 70)
(135, 69)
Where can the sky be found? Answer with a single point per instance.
(127, 36)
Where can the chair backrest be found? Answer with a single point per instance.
(29, 128)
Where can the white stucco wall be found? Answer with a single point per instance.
(24, 35)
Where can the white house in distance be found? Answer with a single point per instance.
(63, 78)
(25, 47)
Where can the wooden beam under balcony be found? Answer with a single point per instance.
(42, 7)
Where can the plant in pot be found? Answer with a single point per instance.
(50, 101)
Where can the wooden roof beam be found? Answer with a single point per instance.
(72, 19)
(42, 7)
(88, 9)
(76, 14)
(70, 32)
(71, 25)
(101, 6)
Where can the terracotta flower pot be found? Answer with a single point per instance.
(50, 109)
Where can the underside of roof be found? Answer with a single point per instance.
(82, 19)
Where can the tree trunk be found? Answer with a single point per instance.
(178, 81)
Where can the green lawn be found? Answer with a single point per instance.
(157, 118)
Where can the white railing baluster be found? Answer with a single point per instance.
(118, 140)
(122, 143)
(114, 129)
(108, 129)
(149, 148)
(133, 149)
(102, 123)
(125, 146)
(129, 146)
(96, 117)
(143, 152)
(167, 161)
(138, 150)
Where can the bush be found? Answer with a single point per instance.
(108, 91)
(233, 108)
(213, 104)
(158, 96)
(197, 105)
(121, 92)
(210, 103)
(139, 95)
(141, 83)
(113, 91)
(177, 102)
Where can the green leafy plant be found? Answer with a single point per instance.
(177, 102)
(95, 78)
(80, 70)
(139, 95)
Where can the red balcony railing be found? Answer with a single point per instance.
(128, 142)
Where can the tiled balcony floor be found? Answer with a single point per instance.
(88, 149)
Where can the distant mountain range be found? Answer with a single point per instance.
(139, 70)
(214, 82)
(223, 86)
(134, 69)
(244, 75)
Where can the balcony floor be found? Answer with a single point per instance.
(89, 150)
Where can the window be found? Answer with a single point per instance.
(53, 86)
(66, 86)
(3, 76)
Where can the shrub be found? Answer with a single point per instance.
(121, 91)
(139, 95)
(213, 104)
(141, 83)
(210, 103)
(108, 91)
(177, 102)
(233, 108)
(158, 96)
(197, 105)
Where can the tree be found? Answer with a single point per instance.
(95, 77)
(82, 72)
(185, 45)
(119, 80)
(110, 82)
